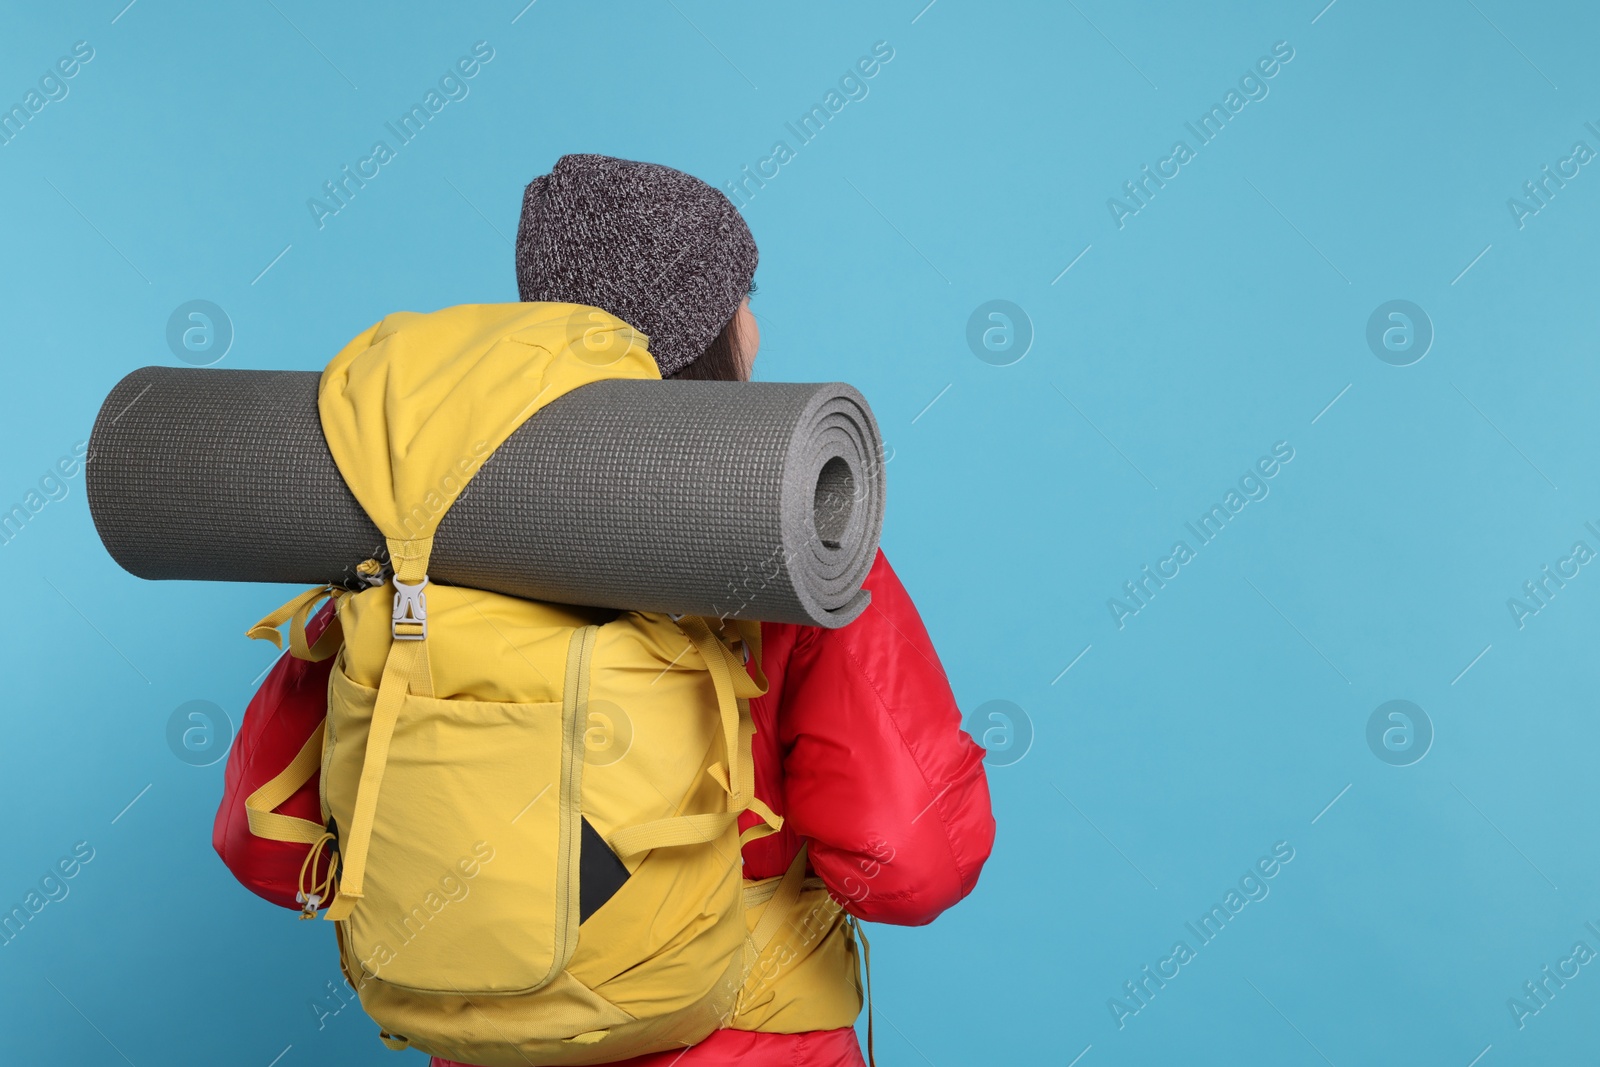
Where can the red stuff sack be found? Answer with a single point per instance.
(283, 721)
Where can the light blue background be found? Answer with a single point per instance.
(1224, 317)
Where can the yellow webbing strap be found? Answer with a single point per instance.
(730, 687)
(260, 806)
(734, 686)
(744, 787)
(297, 612)
(669, 832)
(409, 557)
(404, 671)
(771, 822)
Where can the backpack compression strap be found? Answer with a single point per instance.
(404, 671)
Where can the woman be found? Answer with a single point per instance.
(858, 741)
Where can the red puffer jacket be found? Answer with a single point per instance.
(858, 746)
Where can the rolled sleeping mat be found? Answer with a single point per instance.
(753, 500)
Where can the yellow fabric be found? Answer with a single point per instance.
(804, 976)
(410, 410)
(408, 428)
(473, 764)
(734, 687)
(457, 768)
(574, 704)
(777, 910)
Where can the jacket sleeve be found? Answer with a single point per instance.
(879, 775)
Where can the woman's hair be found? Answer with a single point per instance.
(720, 361)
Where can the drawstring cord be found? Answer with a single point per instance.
(312, 897)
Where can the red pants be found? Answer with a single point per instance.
(740, 1048)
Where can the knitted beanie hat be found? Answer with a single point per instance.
(660, 249)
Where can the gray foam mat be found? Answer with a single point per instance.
(756, 500)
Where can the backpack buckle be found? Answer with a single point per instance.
(410, 622)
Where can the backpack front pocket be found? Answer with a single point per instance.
(471, 882)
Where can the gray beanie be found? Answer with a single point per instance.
(660, 249)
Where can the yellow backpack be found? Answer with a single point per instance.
(533, 806)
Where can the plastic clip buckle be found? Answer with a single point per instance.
(410, 611)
